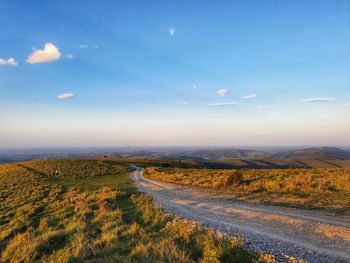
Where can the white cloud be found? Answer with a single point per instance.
(65, 96)
(83, 46)
(222, 92)
(311, 100)
(264, 107)
(195, 87)
(10, 62)
(70, 56)
(48, 54)
(184, 102)
(172, 31)
(224, 104)
(347, 106)
(250, 96)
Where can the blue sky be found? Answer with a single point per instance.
(147, 73)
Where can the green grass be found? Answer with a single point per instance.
(96, 217)
(119, 181)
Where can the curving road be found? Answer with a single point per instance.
(284, 232)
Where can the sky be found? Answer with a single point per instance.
(174, 73)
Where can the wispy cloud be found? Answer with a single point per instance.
(172, 31)
(65, 96)
(85, 46)
(224, 104)
(222, 92)
(184, 102)
(194, 87)
(10, 62)
(312, 100)
(250, 96)
(48, 54)
(347, 106)
(266, 107)
(70, 56)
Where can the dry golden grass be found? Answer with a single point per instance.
(310, 188)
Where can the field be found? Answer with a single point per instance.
(88, 211)
(317, 188)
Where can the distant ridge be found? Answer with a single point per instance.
(327, 152)
(327, 157)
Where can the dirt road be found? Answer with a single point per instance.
(285, 232)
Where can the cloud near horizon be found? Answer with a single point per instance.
(311, 100)
(11, 62)
(222, 92)
(48, 54)
(65, 96)
(250, 96)
(347, 106)
(224, 104)
(264, 107)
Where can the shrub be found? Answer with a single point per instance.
(234, 179)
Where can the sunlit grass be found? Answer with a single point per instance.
(317, 188)
(97, 218)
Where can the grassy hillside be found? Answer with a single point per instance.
(91, 212)
(309, 188)
(146, 162)
(73, 168)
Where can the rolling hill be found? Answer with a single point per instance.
(208, 158)
(91, 212)
(324, 152)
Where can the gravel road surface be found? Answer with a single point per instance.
(283, 232)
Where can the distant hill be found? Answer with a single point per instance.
(3, 160)
(217, 154)
(327, 152)
(328, 157)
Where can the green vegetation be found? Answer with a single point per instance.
(308, 188)
(155, 162)
(90, 212)
(72, 168)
